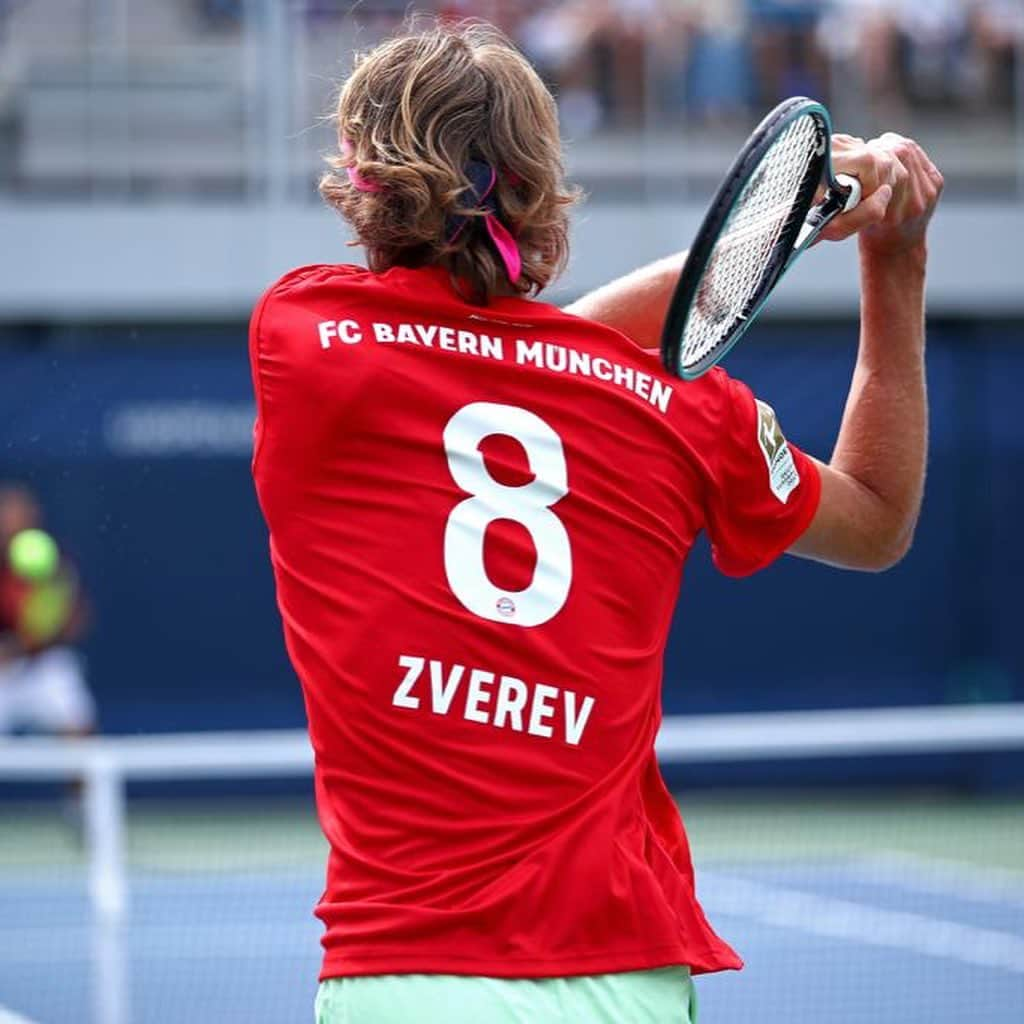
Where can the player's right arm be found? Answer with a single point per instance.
(872, 487)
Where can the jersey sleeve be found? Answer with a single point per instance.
(764, 490)
(285, 372)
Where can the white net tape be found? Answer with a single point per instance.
(741, 254)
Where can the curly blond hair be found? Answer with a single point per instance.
(413, 113)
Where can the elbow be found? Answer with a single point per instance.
(889, 549)
(884, 560)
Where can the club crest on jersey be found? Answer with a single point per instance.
(505, 606)
(783, 477)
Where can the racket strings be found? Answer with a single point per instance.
(742, 254)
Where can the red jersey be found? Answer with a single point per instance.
(478, 522)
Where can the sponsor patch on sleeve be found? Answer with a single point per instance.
(783, 477)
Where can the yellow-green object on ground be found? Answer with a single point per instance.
(33, 555)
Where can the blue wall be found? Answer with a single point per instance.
(164, 524)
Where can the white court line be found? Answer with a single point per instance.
(939, 877)
(10, 1017)
(857, 922)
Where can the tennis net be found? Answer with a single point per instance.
(867, 865)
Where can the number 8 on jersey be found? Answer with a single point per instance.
(530, 505)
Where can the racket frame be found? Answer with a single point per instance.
(842, 194)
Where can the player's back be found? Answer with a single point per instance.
(479, 517)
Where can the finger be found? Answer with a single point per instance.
(875, 165)
(926, 195)
(930, 172)
(871, 211)
(842, 141)
(926, 171)
(893, 140)
(919, 193)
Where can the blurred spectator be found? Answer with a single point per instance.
(901, 55)
(595, 55)
(628, 66)
(932, 50)
(705, 50)
(614, 63)
(220, 12)
(998, 33)
(42, 615)
(786, 59)
(856, 38)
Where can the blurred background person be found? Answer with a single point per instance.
(703, 54)
(786, 61)
(997, 30)
(595, 54)
(42, 617)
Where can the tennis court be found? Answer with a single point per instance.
(892, 906)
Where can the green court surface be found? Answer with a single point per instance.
(846, 906)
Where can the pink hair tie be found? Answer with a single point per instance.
(357, 180)
(482, 178)
(361, 183)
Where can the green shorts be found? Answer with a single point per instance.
(663, 996)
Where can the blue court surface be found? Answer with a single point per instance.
(220, 928)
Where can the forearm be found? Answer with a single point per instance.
(883, 440)
(879, 459)
(634, 304)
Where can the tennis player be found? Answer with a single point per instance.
(42, 682)
(480, 506)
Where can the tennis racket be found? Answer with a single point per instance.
(763, 217)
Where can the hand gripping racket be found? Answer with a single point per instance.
(763, 217)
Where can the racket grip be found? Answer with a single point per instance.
(848, 181)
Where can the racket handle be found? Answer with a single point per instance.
(852, 184)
